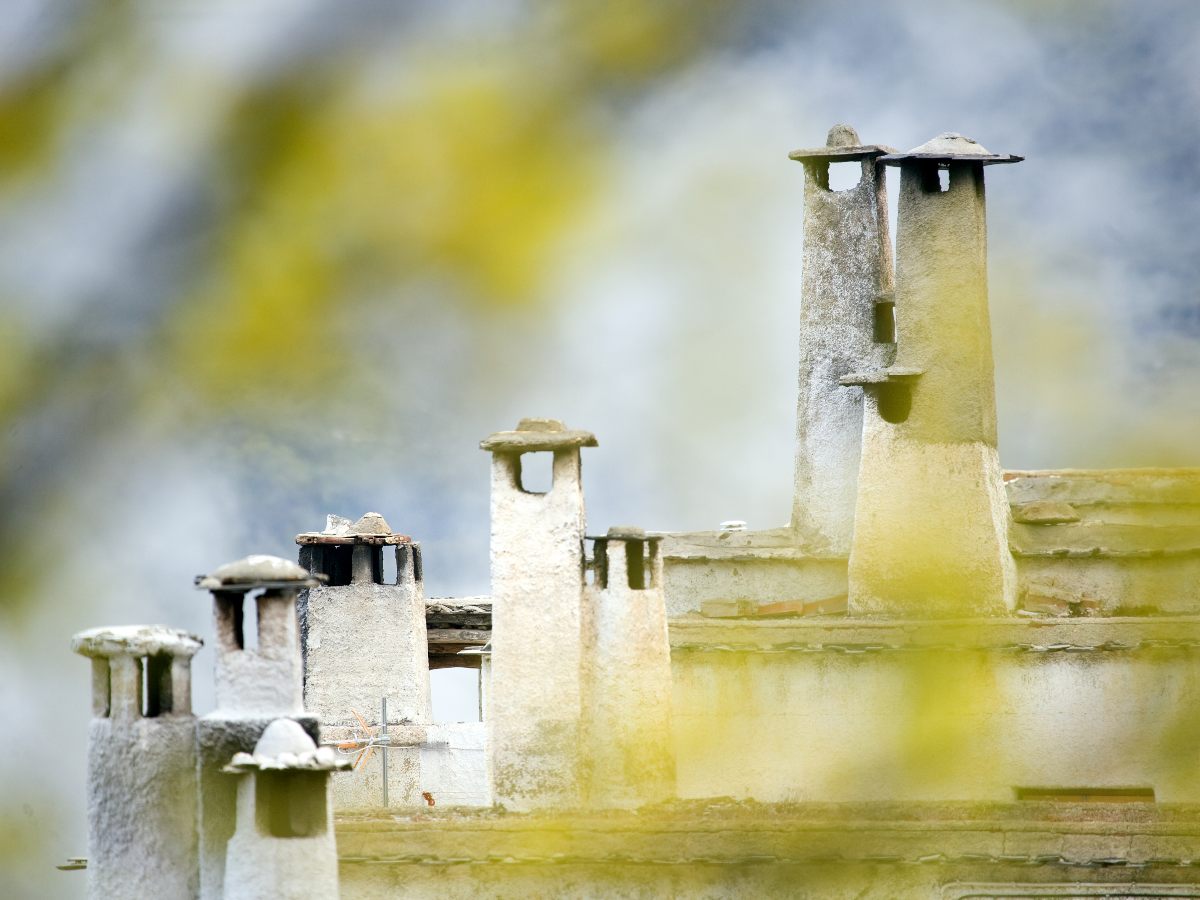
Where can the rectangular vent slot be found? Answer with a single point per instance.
(885, 322)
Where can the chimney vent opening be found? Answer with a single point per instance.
(895, 402)
(844, 176)
(885, 322)
(535, 472)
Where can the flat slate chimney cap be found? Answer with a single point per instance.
(257, 571)
(890, 375)
(135, 640)
(624, 533)
(532, 435)
(371, 529)
(951, 146)
(842, 145)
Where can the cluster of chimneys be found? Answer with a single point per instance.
(235, 803)
(238, 803)
(896, 469)
(896, 463)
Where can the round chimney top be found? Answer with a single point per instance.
(257, 571)
(951, 146)
(842, 144)
(532, 435)
(135, 640)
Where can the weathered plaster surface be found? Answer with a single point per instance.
(141, 780)
(1127, 539)
(537, 578)
(690, 583)
(942, 323)
(280, 869)
(930, 536)
(965, 710)
(364, 642)
(724, 849)
(266, 680)
(218, 739)
(627, 701)
(931, 522)
(847, 266)
(1121, 585)
(263, 866)
(363, 787)
(454, 765)
(142, 808)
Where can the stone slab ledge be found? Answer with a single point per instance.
(1095, 835)
(699, 634)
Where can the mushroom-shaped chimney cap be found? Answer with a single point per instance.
(842, 145)
(532, 435)
(951, 146)
(135, 640)
(285, 745)
(283, 736)
(257, 571)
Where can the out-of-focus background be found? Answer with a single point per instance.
(261, 261)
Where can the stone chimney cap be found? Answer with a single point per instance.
(371, 523)
(881, 376)
(950, 146)
(625, 533)
(842, 145)
(371, 529)
(257, 571)
(135, 640)
(532, 435)
(284, 745)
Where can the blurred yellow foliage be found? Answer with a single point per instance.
(470, 171)
(28, 111)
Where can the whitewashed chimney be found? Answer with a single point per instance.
(931, 525)
(535, 697)
(627, 735)
(845, 326)
(141, 778)
(364, 642)
(283, 847)
(257, 681)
